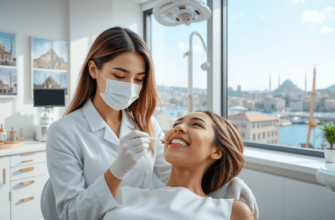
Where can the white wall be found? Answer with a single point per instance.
(283, 198)
(43, 19)
(77, 21)
(88, 19)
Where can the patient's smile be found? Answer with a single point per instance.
(178, 141)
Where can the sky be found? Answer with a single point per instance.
(274, 38)
(5, 39)
(5, 75)
(42, 46)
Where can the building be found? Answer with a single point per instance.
(288, 88)
(257, 127)
(50, 60)
(296, 105)
(330, 104)
(271, 104)
(6, 57)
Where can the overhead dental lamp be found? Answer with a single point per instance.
(176, 12)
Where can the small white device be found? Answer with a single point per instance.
(176, 12)
(47, 98)
(46, 120)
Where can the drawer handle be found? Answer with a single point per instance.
(27, 199)
(27, 169)
(25, 161)
(4, 176)
(28, 182)
(27, 154)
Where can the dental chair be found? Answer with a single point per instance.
(48, 202)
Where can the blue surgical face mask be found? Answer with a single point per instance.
(119, 95)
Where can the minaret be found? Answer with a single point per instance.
(10, 82)
(305, 82)
(270, 84)
(11, 48)
(60, 80)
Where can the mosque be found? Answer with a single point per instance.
(6, 58)
(287, 87)
(50, 60)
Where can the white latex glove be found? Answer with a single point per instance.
(240, 188)
(131, 149)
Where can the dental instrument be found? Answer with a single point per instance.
(156, 139)
(176, 12)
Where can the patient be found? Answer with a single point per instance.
(206, 152)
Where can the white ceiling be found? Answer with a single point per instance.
(141, 1)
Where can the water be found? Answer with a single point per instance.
(297, 134)
(292, 135)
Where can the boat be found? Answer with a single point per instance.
(284, 122)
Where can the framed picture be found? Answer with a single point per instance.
(49, 64)
(8, 68)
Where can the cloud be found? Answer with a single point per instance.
(241, 14)
(329, 8)
(196, 47)
(297, 1)
(326, 30)
(182, 46)
(313, 17)
(262, 16)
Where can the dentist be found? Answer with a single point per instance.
(102, 142)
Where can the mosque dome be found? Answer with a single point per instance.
(287, 82)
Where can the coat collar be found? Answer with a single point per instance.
(96, 122)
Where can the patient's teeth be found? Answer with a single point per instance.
(178, 142)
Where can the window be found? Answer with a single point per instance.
(259, 136)
(168, 46)
(263, 134)
(268, 133)
(254, 137)
(252, 33)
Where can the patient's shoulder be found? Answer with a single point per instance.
(241, 211)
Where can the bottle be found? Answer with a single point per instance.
(12, 135)
(2, 134)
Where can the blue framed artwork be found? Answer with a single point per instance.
(8, 68)
(49, 63)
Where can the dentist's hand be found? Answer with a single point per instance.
(131, 149)
(241, 189)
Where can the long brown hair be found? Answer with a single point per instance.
(108, 45)
(231, 163)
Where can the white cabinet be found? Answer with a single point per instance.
(4, 188)
(23, 175)
(26, 197)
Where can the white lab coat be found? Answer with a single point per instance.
(167, 203)
(80, 148)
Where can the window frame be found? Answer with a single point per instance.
(220, 16)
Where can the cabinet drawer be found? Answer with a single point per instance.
(26, 197)
(26, 171)
(27, 158)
